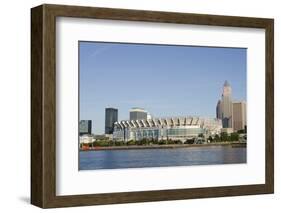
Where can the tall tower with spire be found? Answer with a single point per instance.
(226, 106)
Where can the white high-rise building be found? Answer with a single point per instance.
(137, 113)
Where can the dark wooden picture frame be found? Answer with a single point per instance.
(43, 105)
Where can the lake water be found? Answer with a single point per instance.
(139, 158)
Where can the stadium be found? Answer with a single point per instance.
(175, 128)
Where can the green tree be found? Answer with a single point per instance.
(155, 141)
(234, 136)
(224, 136)
(241, 131)
(170, 141)
(161, 142)
(131, 142)
(143, 141)
(201, 135)
(189, 141)
(217, 138)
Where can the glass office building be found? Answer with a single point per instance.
(111, 116)
(85, 127)
(176, 128)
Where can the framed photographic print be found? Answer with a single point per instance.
(136, 106)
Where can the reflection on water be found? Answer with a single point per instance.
(115, 159)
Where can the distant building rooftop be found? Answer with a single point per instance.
(137, 109)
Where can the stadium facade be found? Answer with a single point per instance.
(175, 128)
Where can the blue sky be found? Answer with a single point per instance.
(166, 80)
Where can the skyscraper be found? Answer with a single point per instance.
(138, 114)
(111, 116)
(239, 115)
(226, 106)
(218, 110)
(85, 127)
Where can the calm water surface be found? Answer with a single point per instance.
(115, 159)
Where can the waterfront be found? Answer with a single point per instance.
(140, 158)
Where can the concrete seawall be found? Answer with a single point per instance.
(165, 146)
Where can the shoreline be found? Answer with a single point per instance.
(165, 146)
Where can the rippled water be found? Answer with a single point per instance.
(114, 159)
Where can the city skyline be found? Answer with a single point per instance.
(164, 80)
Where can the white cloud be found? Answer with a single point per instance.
(99, 51)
